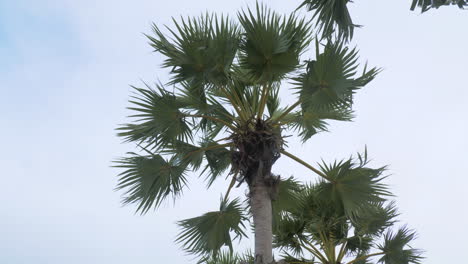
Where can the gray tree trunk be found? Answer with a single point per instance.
(262, 218)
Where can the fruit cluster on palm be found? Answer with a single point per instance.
(220, 115)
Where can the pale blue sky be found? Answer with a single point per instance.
(65, 67)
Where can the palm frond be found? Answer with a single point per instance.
(319, 214)
(332, 16)
(149, 180)
(426, 5)
(353, 185)
(357, 244)
(201, 49)
(396, 248)
(214, 117)
(330, 81)
(313, 121)
(286, 198)
(186, 152)
(374, 218)
(288, 234)
(218, 160)
(158, 118)
(206, 234)
(271, 44)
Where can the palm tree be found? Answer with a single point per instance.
(328, 224)
(222, 115)
(314, 223)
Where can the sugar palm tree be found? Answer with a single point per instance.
(220, 114)
(325, 223)
(316, 224)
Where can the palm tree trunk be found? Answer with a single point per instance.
(262, 218)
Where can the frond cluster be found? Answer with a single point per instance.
(331, 16)
(343, 219)
(206, 234)
(225, 79)
(426, 5)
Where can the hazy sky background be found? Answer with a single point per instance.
(65, 70)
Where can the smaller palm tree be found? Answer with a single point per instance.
(323, 223)
(330, 223)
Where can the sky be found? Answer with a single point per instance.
(65, 71)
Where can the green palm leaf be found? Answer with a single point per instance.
(330, 81)
(201, 51)
(271, 45)
(149, 180)
(218, 161)
(158, 119)
(374, 218)
(359, 244)
(332, 16)
(286, 197)
(313, 121)
(353, 186)
(206, 234)
(288, 234)
(396, 248)
(428, 4)
(218, 158)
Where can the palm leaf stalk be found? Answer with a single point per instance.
(222, 115)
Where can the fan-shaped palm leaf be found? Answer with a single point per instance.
(353, 185)
(201, 51)
(331, 16)
(374, 218)
(150, 179)
(206, 234)
(158, 119)
(330, 81)
(271, 45)
(313, 121)
(396, 248)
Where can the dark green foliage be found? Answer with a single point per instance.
(349, 211)
(313, 121)
(331, 16)
(352, 186)
(201, 51)
(394, 247)
(158, 119)
(326, 89)
(206, 234)
(272, 44)
(425, 5)
(149, 180)
(218, 161)
(330, 80)
(375, 218)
